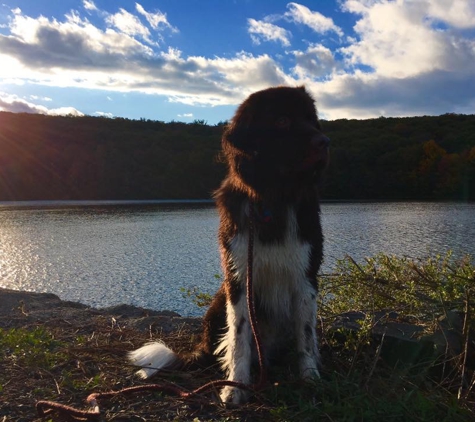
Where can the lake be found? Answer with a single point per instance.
(142, 253)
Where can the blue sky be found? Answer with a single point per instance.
(185, 59)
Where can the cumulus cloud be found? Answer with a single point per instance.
(416, 66)
(129, 24)
(44, 46)
(157, 20)
(319, 23)
(297, 14)
(362, 96)
(16, 104)
(78, 54)
(37, 98)
(403, 58)
(268, 32)
(398, 40)
(315, 62)
(89, 5)
(457, 13)
(75, 53)
(64, 111)
(104, 114)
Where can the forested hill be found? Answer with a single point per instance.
(45, 157)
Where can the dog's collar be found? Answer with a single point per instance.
(259, 212)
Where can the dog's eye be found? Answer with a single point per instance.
(282, 122)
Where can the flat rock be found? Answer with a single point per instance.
(19, 308)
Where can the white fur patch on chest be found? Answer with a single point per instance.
(279, 269)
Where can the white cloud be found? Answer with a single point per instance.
(458, 13)
(156, 20)
(219, 81)
(37, 98)
(185, 115)
(261, 30)
(361, 95)
(89, 5)
(420, 58)
(417, 66)
(315, 62)
(301, 14)
(75, 53)
(397, 40)
(65, 111)
(129, 24)
(104, 114)
(15, 104)
(47, 44)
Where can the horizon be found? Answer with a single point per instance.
(206, 123)
(187, 61)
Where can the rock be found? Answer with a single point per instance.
(23, 308)
(12, 301)
(448, 336)
(408, 341)
(388, 323)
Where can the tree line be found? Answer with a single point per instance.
(65, 157)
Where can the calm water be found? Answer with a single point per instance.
(143, 253)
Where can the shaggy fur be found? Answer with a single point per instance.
(276, 153)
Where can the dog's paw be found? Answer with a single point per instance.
(310, 374)
(233, 395)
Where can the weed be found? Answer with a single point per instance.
(200, 299)
(25, 347)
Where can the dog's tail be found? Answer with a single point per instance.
(153, 357)
(156, 356)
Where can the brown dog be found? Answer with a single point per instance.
(276, 153)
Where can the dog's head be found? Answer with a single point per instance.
(275, 141)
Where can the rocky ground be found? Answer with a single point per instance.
(18, 309)
(92, 344)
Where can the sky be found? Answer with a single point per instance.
(187, 60)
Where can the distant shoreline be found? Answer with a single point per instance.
(99, 202)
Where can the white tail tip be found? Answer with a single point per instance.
(151, 358)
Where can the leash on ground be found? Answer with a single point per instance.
(45, 407)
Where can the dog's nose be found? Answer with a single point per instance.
(320, 140)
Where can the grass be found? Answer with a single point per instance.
(367, 375)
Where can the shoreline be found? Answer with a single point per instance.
(23, 308)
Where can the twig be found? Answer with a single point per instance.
(472, 384)
(376, 358)
(466, 329)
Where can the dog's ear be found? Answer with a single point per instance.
(239, 133)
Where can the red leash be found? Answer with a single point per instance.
(45, 407)
(250, 299)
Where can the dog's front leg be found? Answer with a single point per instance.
(306, 332)
(235, 348)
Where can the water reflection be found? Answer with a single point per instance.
(142, 254)
(412, 229)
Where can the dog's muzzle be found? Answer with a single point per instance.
(318, 152)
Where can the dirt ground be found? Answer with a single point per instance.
(91, 358)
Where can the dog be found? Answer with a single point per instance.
(276, 155)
